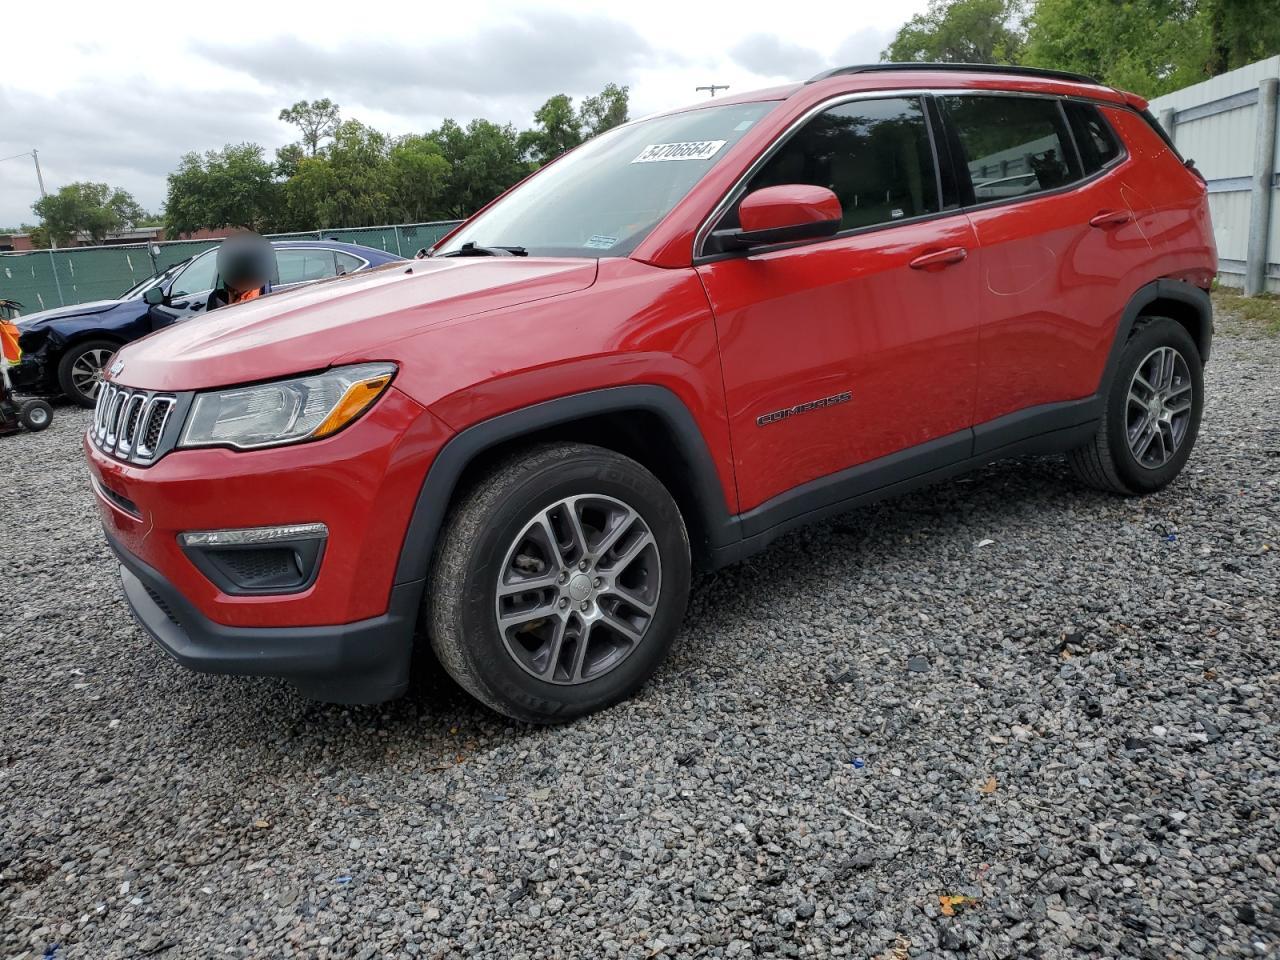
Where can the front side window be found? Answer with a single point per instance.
(605, 197)
(874, 155)
(1013, 145)
(198, 277)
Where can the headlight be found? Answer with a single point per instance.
(286, 411)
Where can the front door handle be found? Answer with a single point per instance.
(1111, 218)
(939, 259)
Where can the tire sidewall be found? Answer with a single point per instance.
(39, 407)
(490, 662)
(1160, 332)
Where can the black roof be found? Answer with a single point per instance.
(955, 68)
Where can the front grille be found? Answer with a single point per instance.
(130, 424)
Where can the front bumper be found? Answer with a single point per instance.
(363, 662)
(31, 375)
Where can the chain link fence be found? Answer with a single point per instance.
(43, 279)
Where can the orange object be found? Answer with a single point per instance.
(9, 341)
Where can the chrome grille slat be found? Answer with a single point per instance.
(129, 424)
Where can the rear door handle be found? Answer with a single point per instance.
(1111, 218)
(938, 259)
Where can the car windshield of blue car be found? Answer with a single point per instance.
(603, 199)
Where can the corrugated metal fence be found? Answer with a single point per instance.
(1228, 126)
(50, 278)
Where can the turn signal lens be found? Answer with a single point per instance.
(353, 403)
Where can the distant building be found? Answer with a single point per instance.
(20, 242)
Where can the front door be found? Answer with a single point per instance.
(841, 352)
(188, 291)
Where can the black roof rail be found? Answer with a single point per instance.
(956, 68)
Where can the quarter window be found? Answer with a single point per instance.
(875, 155)
(1014, 146)
(1097, 143)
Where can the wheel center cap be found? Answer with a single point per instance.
(580, 587)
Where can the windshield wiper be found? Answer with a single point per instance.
(470, 249)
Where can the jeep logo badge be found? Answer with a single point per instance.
(116, 368)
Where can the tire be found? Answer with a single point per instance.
(498, 529)
(1110, 461)
(75, 367)
(35, 415)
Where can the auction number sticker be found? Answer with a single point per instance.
(692, 150)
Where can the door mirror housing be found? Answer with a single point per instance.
(787, 213)
(154, 296)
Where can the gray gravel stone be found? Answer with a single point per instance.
(146, 810)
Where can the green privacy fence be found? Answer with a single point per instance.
(43, 279)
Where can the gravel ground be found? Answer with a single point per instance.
(1062, 706)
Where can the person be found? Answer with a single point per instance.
(246, 264)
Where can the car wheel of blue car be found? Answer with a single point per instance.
(81, 369)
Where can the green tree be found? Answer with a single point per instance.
(418, 177)
(960, 31)
(347, 186)
(1147, 46)
(83, 207)
(606, 110)
(1237, 32)
(316, 119)
(557, 129)
(484, 160)
(287, 159)
(231, 187)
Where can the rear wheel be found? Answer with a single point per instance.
(1152, 413)
(82, 368)
(35, 415)
(560, 582)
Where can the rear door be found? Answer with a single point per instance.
(844, 351)
(1060, 252)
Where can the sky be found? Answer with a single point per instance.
(117, 93)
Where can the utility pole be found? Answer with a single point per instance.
(35, 155)
(712, 88)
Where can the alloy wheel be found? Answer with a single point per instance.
(1158, 411)
(578, 589)
(89, 369)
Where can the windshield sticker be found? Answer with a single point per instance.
(693, 150)
(598, 242)
(744, 125)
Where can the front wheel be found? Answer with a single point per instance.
(82, 369)
(1152, 413)
(560, 583)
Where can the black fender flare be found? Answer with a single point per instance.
(442, 477)
(1189, 295)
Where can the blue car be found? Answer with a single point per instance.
(66, 350)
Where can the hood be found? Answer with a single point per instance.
(29, 321)
(359, 315)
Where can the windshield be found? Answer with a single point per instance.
(603, 198)
(142, 285)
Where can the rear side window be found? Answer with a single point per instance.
(299, 266)
(874, 155)
(1097, 143)
(1014, 146)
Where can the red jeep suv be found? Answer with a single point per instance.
(665, 349)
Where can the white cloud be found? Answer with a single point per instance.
(119, 98)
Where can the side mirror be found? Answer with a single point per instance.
(154, 296)
(784, 214)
